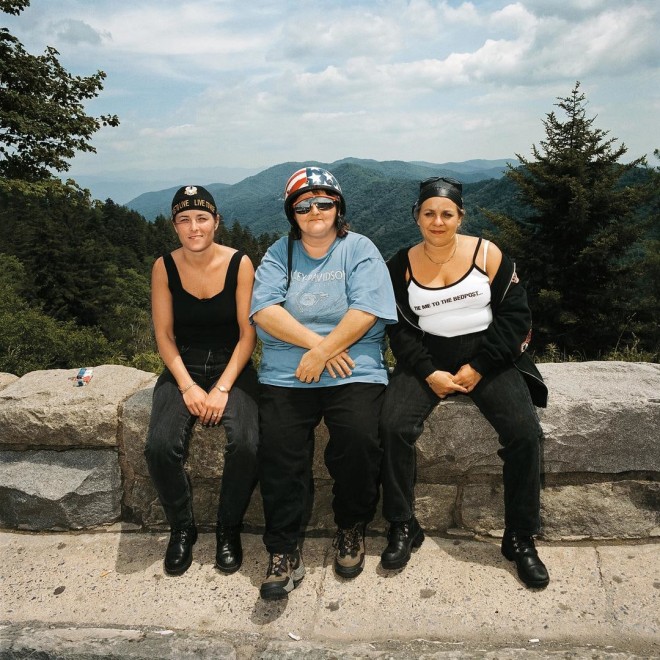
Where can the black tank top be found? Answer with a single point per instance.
(208, 323)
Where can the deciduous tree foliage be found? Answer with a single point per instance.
(578, 248)
(42, 116)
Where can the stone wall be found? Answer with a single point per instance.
(71, 457)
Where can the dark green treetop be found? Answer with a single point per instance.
(577, 246)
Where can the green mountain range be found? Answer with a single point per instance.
(379, 196)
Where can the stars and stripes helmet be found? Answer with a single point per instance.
(310, 178)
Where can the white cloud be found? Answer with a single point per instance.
(185, 131)
(78, 32)
(219, 82)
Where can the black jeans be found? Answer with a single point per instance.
(170, 429)
(288, 417)
(504, 400)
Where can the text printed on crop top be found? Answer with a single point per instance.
(458, 309)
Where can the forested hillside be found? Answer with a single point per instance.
(75, 280)
(582, 225)
(75, 273)
(378, 194)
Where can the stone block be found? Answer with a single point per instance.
(45, 409)
(620, 510)
(459, 471)
(6, 379)
(54, 490)
(435, 507)
(481, 508)
(608, 510)
(457, 440)
(204, 465)
(602, 417)
(140, 503)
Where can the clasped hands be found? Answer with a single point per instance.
(313, 362)
(444, 383)
(207, 406)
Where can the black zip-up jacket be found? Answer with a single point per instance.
(504, 342)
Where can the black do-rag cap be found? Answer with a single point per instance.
(193, 197)
(439, 186)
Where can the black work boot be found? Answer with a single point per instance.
(229, 551)
(402, 537)
(178, 555)
(521, 549)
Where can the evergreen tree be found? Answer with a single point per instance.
(163, 238)
(578, 245)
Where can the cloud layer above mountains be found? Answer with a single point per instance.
(216, 82)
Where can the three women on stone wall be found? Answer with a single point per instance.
(461, 325)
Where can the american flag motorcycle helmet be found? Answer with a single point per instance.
(311, 178)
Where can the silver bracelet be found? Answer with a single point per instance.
(185, 389)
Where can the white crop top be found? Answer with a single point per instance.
(457, 309)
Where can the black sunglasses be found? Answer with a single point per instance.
(321, 203)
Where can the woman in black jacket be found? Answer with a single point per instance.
(464, 325)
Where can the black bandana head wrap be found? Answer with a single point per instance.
(439, 186)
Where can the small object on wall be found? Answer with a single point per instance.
(83, 377)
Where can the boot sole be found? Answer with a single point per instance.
(228, 570)
(280, 592)
(351, 572)
(393, 565)
(178, 571)
(541, 584)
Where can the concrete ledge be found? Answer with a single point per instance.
(602, 463)
(106, 595)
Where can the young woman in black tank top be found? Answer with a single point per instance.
(200, 298)
(463, 329)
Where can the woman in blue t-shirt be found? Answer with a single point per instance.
(321, 300)
(200, 298)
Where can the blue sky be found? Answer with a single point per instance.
(224, 84)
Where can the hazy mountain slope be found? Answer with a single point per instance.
(256, 202)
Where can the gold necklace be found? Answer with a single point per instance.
(442, 263)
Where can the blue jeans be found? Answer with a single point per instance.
(288, 417)
(503, 398)
(170, 429)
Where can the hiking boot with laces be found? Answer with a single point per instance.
(285, 571)
(349, 543)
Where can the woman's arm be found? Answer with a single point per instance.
(277, 322)
(405, 336)
(409, 349)
(353, 325)
(508, 334)
(217, 399)
(163, 320)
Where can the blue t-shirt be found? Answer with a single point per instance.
(352, 275)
